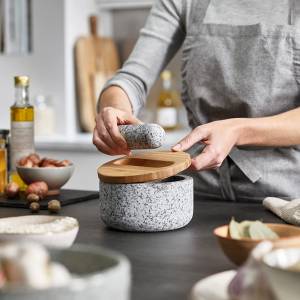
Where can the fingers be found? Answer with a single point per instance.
(110, 123)
(107, 137)
(129, 120)
(104, 147)
(101, 146)
(133, 120)
(108, 133)
(194, 137)
(209, 158)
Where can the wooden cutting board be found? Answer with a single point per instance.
(96, 61)
(144, 167)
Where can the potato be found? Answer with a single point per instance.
(34, 207)
(22, 161)
(48, 163)
(54, 206)
(39, 188)
(25, 162)
(12, 190)
(65, 163)
(32, 198)
(35, 158)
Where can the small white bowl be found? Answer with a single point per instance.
(54, 177)
(284, 282)
(52, 237)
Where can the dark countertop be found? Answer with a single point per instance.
(164, 265)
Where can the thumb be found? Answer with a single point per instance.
(128, 119)
(194, 137)
(133, 120)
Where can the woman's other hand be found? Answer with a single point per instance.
(107, 137)
(219, 137)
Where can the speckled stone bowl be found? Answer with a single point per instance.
(148, 207)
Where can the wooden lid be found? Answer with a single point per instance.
(144, 167)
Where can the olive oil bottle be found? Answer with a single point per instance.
(168, 103)
(22, 127)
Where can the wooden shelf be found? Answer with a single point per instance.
(119, 4)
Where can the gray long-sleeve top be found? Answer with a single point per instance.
(159, 40)
(165, 31)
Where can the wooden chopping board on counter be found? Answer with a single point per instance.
(96, 61)
(144, 167)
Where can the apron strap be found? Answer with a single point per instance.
(294, 19)
(197, 18)
(294, 15)
(225, 181)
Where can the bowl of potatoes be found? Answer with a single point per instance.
(55, 173)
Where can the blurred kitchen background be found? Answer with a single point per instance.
(48, 40)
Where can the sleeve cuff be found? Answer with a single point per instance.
(128, 87)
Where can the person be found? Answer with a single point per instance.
(241, 76)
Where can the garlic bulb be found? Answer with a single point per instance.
(28, 265)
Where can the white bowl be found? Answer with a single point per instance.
(284, 283)
(54, 177)
(98, 275)
(56, 238)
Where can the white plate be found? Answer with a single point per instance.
(213, 287)
(61, 239)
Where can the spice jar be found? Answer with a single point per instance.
(4, 134)
(3, 166)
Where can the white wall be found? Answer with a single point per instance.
(76, 24)
(56, 26)
(44, 65)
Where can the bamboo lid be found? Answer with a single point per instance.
(144, 167)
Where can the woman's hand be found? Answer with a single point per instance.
(107, 137)
(219, 137)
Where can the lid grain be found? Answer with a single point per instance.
(144, 167)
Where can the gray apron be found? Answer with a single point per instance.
(243, 72)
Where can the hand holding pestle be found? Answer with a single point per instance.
(143, 136)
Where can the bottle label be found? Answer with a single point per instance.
(22, 141)
(167, 116)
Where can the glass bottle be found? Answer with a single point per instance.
(22, 127)
(44, 122)
(168, 103)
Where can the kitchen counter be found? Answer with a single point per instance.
(165, 265)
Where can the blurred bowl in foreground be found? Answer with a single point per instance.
(98, 275)
(284, 281)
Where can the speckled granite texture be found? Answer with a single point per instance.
(144, 136)
(148, 207)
